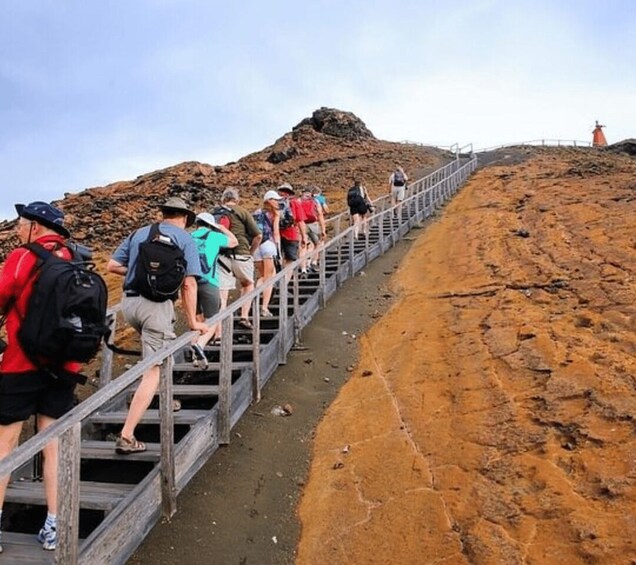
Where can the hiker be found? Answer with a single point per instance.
(321, 199)
(315, 224)
(397, 189)
(267, 219)
(28, 388)
(148, 302)
(210, 238)
(293, 232)
(238, 264)
(359, 205)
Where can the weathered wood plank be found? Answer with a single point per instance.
(94, 449)
(166, 414)
(150, 417)
(24, 549)
(68, 486)
(92, 495)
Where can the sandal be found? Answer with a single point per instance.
(176, 405)
(245, 323)
(125, 446)
(265, 313)
(198, 356)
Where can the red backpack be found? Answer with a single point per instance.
(310, 207)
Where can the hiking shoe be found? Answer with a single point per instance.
(48, 537)
(125, 446)
(245, 324)
(198, 356)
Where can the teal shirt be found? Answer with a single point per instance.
(209, 243)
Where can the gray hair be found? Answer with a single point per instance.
(229, 194)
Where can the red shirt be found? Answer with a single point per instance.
(16, 283)
(293, 233)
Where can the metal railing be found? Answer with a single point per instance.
(423, 197)
(540, 143)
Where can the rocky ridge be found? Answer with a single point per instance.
(328, 149)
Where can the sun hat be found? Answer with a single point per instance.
(176, 204)
(45, 214)
(286, 187)
(207, 219)
(271, 195)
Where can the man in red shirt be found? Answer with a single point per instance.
(293, 232)
(25, 389)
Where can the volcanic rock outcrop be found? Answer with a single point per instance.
(328, 149)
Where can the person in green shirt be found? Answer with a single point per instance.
(210, 237)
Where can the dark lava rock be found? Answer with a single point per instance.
(337, 124)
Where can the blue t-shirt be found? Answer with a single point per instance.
(209, 243)
(127, 252)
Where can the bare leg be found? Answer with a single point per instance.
(50, 453)
(9, 437)
(245, 309)
(141, 400)
(269, 271)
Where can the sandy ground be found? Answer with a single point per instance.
(489, 417)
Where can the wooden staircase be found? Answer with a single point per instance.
(109, 501)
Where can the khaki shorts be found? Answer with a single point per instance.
(313, 232)
(239, 267)
(154, 321)
(398, 192)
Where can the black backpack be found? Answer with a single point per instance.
(160, 267)
(398, 179)
(354, 197)
(65, 319)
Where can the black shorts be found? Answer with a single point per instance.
(361, 209)
(289, 249)
(36, 392)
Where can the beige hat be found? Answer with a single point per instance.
(176, 204)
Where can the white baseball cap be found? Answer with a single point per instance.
(206, 218)
(272, 195)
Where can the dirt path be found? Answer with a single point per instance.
(241, 507)
(491, 418)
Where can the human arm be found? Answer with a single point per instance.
(231, 238)
(189, 304)
(321, 222)
(116, 268)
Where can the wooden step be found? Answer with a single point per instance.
(24, 549)
(183, 417)
(93, 495)
(187, 390)
(236, 366)
(105, 450)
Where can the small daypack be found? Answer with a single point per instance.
(65, 318)
(200, 241)
(286, 215)
(355, 197)
(223, 216)
(398, 178)
(264, 224)
(310, 207)
(160, 267)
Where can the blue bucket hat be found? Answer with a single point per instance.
(45, 214)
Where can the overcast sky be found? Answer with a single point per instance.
(93, 92)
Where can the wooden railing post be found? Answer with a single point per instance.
(225, 379)
(68, 495)
(106, 369)
(256, 351)
(322, 276)
(166, 415)
(283, 299)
